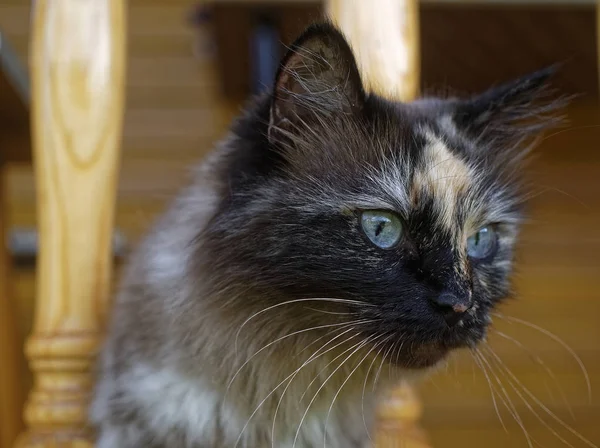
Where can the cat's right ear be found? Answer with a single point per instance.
(512, 111)
(318, 80)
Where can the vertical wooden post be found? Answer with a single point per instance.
(398, 421)
(78, 65)
(384, 35)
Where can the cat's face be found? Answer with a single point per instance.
(405, 215)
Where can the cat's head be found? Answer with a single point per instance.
(398, 220)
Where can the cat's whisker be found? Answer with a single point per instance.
(281, 383)
(372, 341)
(492, 390)
(526, 402)
(547, 189)
(441, 162)
(508, 403)
(362, 402)
(541, 362)
(389, 366)
(527, 197)
(451, 177)
(575, 128)
(381, 365)
(516, 382)
(355, 348)
(399, 349)
(556, 339)
(333, 313)
(321, 371)
(257, 408)
(289, 302)
(294, 333)
(565, 193)
(310, 359)
(329, 333)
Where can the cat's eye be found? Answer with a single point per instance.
(483, 243)
(384, 229)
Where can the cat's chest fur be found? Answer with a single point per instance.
(159, 406)
(189, 412)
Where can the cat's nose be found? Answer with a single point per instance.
(452, 306)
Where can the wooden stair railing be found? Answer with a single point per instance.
(77, 65)
(384, 35)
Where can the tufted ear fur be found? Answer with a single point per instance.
(511, 112)
(317, 80)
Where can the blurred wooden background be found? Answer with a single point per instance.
(176, 109)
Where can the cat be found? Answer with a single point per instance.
(334, 242)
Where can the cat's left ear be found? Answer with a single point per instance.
(317, 80)
(511, 111)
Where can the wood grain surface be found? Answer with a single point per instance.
(78, 72)
(384, 35)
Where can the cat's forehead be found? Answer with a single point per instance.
(443, 177)
(432, 176)
(418, 164)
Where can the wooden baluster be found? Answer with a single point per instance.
(384, 35)
(397, 421)
(78, 64)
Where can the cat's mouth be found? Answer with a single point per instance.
(421, 343)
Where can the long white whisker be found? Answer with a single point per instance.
(273, 391)
(362, 402)
(355, 348)
(399, 351)
(541, 362)
(502, 394)
(288, 302)
(343, 384)
(381, 365)
(487, 377)
(313, 356)
(508, 403)
(528, 405)
(334, 313)
(397, 347)
(540, 404)
(558, 341)
(341, 327)
(323, 370)
(294, 333)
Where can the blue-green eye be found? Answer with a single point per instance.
(383, 228)
(483, 243)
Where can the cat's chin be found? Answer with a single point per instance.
(427, 355)
(424, 356)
